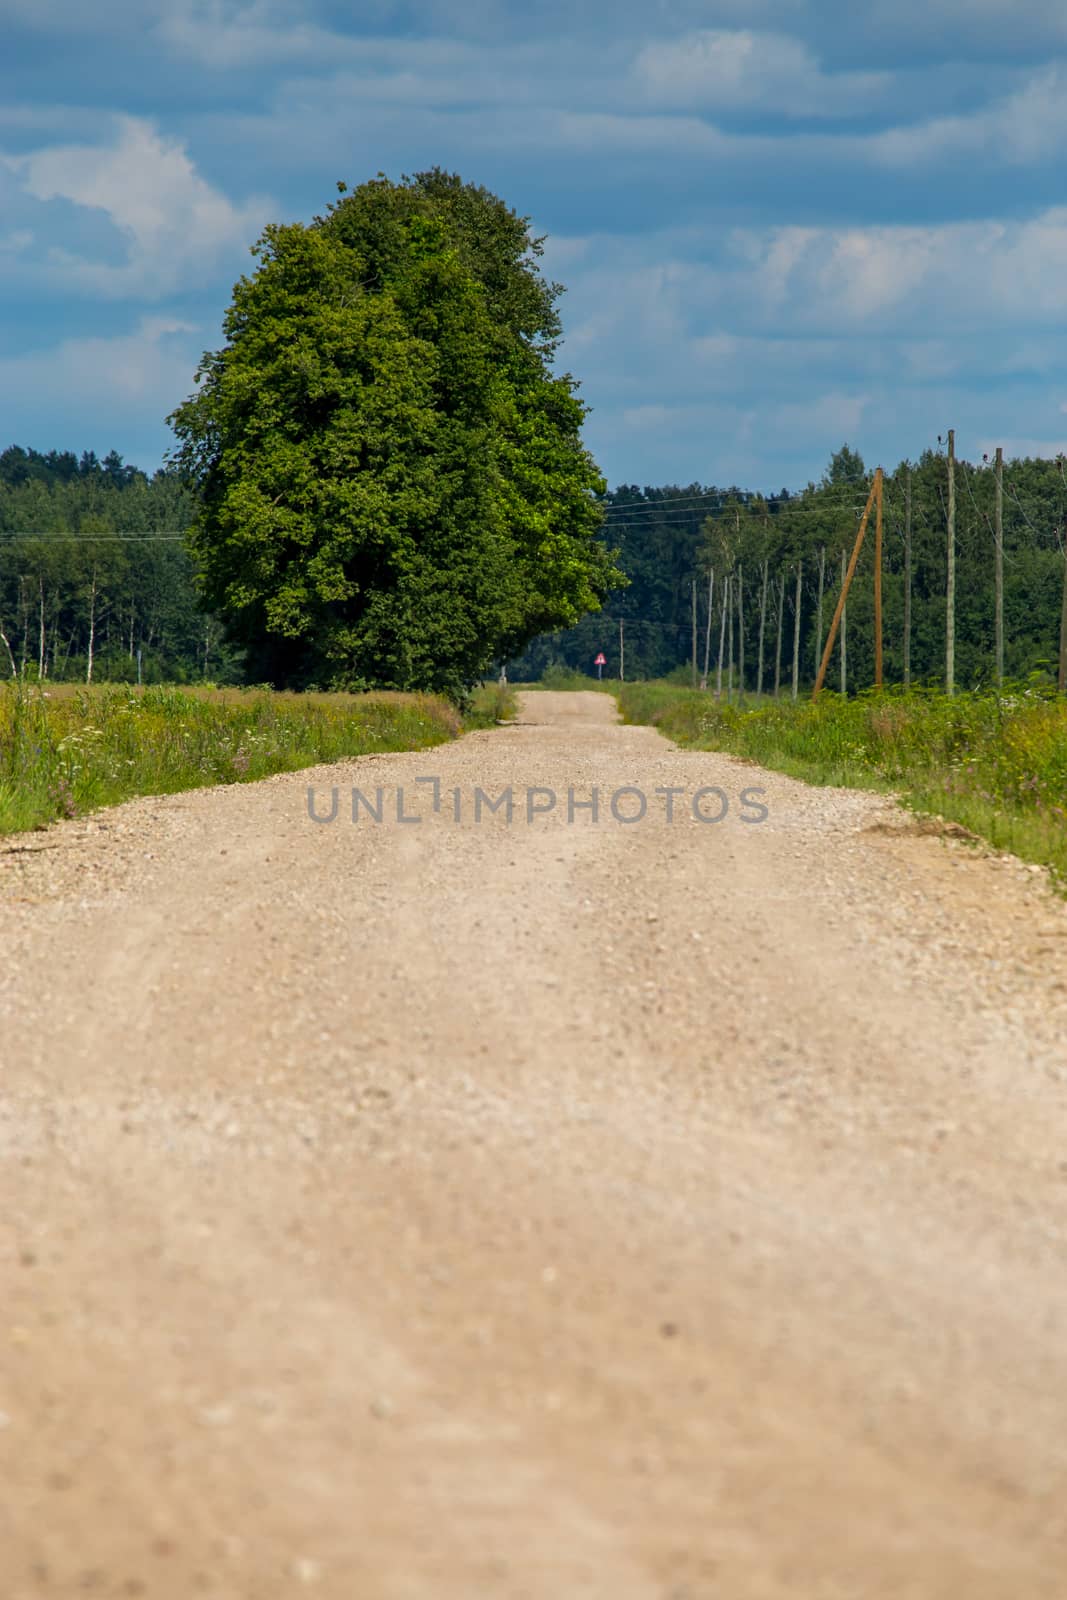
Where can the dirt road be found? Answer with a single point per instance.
(546, 1209)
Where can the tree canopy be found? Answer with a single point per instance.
(393, 485)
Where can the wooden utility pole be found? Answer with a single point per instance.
(818, 607)
(740, 638)
(707, 630)
(694, 633)
(622, 651)
(998, 570)
(844, 629)
(950, 585)
(722, 636)
(778, 647)
(762, 627)
(796, 632)
(907, 579)
(843, 596)
(878, 579)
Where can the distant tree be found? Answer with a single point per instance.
(393, 482)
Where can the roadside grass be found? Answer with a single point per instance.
(66, 750)
(996, 765)
(489, 704)
(558, 677)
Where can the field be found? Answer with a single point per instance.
(65, 751)
(995, 765)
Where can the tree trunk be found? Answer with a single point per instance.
(730, 648)
(796, 633)
(1062, 681)
(818, 609)
(92, 629)
(707, 631)
(781, 626)
(66, 650)
(722, 636)
(740, 638)
(762, 628)
(10, 654)
(40, 630)
(131, 628)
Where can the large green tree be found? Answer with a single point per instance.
(392, 477)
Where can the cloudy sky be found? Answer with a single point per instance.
(781, 223)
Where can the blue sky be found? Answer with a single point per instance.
(781, 224)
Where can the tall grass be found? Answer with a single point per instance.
(63, 753)
(489, 704)
(558, 676)
(995, 764)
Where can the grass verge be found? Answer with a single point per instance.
(490, 704)
(65, 751)
(997, 765)
(558, 677)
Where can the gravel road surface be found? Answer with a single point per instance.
(546, 1210)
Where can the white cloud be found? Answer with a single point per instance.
(731, 70)
(957, 274)
(152, 367)
(1027, 126)
(176, 226)
(223, 36)
(837, 414)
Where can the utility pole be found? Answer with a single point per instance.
(818, 607)
(950, 586)
(998, 570)
(907, 578)
(622, 652)
(843, 596)
(796, 633)
(778, 647)
(762, 623)
(694, 633)
(878, 484)
(707, 630)
(844, 628)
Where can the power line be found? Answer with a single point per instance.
(728, 516)
(82, 538)
(678, 499)
(774, 508)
